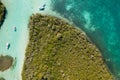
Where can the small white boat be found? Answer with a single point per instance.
(42, 8)
(15, 29)
(7, 45)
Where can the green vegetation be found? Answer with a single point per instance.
(2, 13)
(58, 51)
(2, 79)
(5, 62)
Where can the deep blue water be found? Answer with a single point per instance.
(100, 19)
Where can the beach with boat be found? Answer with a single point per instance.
(15, 41)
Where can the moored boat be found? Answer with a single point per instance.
(15, 29)
(7, 45)
(42, 8)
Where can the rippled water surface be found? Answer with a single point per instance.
(100, 19)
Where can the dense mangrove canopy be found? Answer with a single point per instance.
(2, 13)
(59, 51)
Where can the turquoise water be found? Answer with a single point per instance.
(16, 16)
(100, 19)
(18, 13)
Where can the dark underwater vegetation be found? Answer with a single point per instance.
(2, 79)
(60, 51)
(5, 62)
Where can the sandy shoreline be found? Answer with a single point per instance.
(17, 52)
(31, 60)
(24, 39)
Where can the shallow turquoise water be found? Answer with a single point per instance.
(100, 19)
(16, 16)
(18, 13)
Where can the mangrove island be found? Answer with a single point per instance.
(2, 13)
(59, 51)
